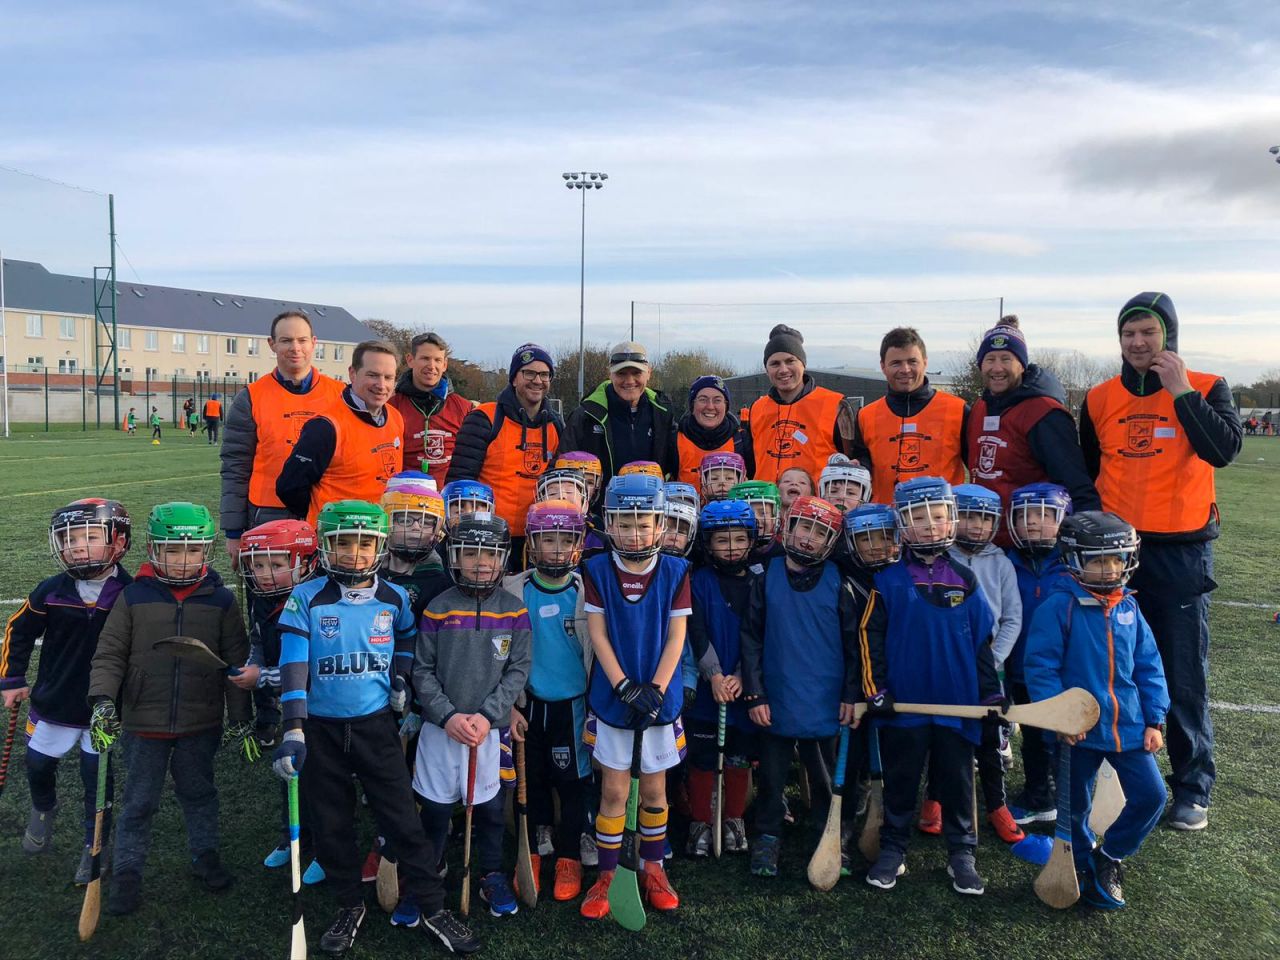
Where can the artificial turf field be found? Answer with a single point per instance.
(1213, 894)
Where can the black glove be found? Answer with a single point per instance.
(644, 699)
(1000, 704)
(881, 705)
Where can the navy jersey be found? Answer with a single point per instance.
(1037, 578)
(339, 645)
(637, 631)
(719, 601)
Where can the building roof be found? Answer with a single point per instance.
(29, 286)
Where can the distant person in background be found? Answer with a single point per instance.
(623, 420)
(913, 430)
(1019, 431)
(212, 417)
(431, 410)
(1152, 437)
(155, 425)
(350, 451)
(794, 424)
(263, 425)
(132, 421)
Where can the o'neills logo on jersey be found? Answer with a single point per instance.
(1141, 431)
(786, 445)
(354, 664)
(988, 448)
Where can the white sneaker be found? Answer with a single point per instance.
(545, 845)
(587, 852)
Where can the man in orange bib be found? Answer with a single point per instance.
(510, 443)
(914, 430)
(263, 424)
(350, 452)
(1152, 438)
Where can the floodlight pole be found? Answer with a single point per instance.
(4, 336)
(583, 180)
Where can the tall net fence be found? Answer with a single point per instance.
(836, 335)
(56, 349)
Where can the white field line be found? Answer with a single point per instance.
(1247, 603)
(122, 483)
(1244, 707)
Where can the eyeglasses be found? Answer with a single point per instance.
(534, 376)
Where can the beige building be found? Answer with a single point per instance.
(162, 332)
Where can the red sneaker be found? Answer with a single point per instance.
(596, 904)
(568, 879)
(535, 862)
(930, 818)
(1004, 825)
(657, 888)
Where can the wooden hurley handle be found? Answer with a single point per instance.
(522, 789)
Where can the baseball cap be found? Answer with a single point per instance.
(626, 354)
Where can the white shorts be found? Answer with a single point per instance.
(440, 766)
(54, 740)
(661, 749)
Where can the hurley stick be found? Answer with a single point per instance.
(1057, 884)
(824, 865)
(717, 826)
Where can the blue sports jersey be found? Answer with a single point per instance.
(337, 653)
(558, 671)
(637, 633)
(1037, 578)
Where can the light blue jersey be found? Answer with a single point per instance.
(338, 646)
(558, 671)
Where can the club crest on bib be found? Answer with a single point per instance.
(382, 621)
(909, 452)
(433, 446)
(784, 439)
(534, 462)
(502, 646)
(987, 456)
(329, 627)
(1141, 434)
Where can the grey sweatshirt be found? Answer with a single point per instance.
(999, 581)
(473, 656)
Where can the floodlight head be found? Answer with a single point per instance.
(574, 176)
(1275, 150)
(594, 176)
(597, 185)
(565, 175)
(605, 176)
(568, 186)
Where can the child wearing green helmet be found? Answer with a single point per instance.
(173, 723)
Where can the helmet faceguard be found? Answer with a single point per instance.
(766, 504)
(277, 556)
(727, 517)
(925, 509)
(465, 497)
(589, 464)
(977, 515)
(1100, 549)
(843, 483)
(719, 473)
(563, 484)
(416, 519)
(180, 539)
(353, 540)
(635, 515)
(871, 533)
(813, 527)
(679, 492)
(555, 531)
(1036, 511)
(89, 537)
(478, 548)
(681, 529)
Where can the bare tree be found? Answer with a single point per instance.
(1077, 372)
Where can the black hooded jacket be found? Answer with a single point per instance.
(478, 431)
(1212, 423)
(1053, 439)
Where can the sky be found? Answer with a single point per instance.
(919, 161)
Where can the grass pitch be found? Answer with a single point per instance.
(1215, 894)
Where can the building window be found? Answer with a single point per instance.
(35, 325)
(231, 345)
(152, 341)
(36, 361)
(252, 377)
(253, 346)
(319, 351)
(124, 338)
(66, 366)
(337, 351)
(180, 372)
(202, 343)
(66, 328)
(179, 343)
(153, 373)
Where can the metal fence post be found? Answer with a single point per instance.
(84, 412)
(46, 399)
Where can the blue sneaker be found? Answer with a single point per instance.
(278, 857)
(314, 874)
(406, 914)
(495, 890)
(764, 857)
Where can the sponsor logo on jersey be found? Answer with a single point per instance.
(502, 646)
(380, 638)
(329, 627)
(291, 604)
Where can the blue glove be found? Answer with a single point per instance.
(399, 697)
(290, 755)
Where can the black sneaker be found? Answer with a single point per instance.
(342, 932)
(885, 872)
(1105, 890)
(964, 874)
(209, 870)
(125, 894)
(453, 934)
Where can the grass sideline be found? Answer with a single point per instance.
(1211, 894)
